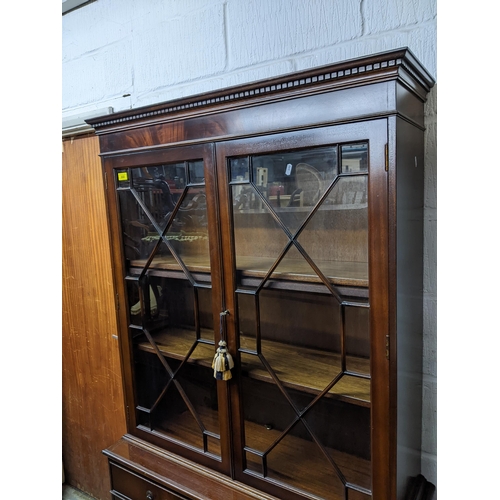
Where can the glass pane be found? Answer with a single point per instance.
(343, 430)
(258, 238)
(297, 175)
(262, 426)
(239, 168)
(188, 233)
(247, 320)
(254, 462)
(196, 172)
(336, 237)
(302, 196)
(213, 445)
(353, 389)
(355, 158)
(188, 409)
(156, 191)
(294, 266)
(298, 461)
(357, 339)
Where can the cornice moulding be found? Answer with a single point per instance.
(398, 64)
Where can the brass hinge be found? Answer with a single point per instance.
(387, 157)
(106, 180)
(117, 302)
(387, 344)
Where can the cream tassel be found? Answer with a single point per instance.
(222, 363)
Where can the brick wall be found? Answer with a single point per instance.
(128, 53)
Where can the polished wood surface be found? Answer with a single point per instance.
(355, 101)
(92, 398)
(130, 485)
(295, 461)
(289, 363)
(408, 234)
(188, 478)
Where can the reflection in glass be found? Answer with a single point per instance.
(354, 158)
(239, 169)
(336, 236)
(257, 246)
(196, 172)
(295, 178)
(164, 219)
(301, 195)
(188, 233)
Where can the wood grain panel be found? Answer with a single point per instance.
(229, 124)
(93, 415)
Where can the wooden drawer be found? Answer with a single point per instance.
(129, 486)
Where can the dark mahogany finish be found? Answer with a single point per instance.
(376, 100)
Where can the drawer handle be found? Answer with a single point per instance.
(149, 495)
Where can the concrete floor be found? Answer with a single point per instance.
(70, 493)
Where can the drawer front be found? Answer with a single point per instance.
(130, 486)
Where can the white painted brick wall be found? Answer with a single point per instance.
(129, 53)
(156, 50)
(261, 31)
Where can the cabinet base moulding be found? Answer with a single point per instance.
(135, 463)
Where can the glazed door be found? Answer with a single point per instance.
(295, 211)
(166, 222)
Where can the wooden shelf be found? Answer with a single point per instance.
(290, 363)
(184, 429)
(194, 263)
(283, 211)
(175, 343)
(339, 273)
(302, 459)
(305, 464)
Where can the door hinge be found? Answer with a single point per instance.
(387, 157)
(117, 302)
(387, 345)
(127, 411)
(106, 180)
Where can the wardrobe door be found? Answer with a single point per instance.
(165, 218)
(296, 211)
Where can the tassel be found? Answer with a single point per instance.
(222, 363)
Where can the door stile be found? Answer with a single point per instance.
(379, 272)
(118, 270)
(227, 258)
(219, 302)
